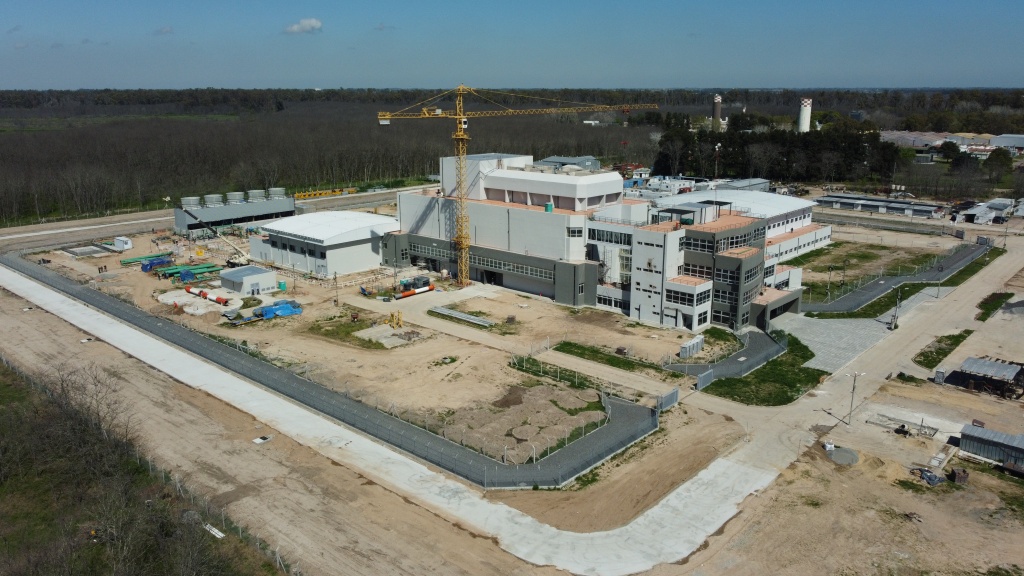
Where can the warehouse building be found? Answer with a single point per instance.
(685, 261)
(249, 280)
(858, 203)
(1007, 449)
(324, 243)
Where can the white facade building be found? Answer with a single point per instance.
(325, 243)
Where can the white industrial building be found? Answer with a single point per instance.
(686, 260)
(249, 280)
(324, 243)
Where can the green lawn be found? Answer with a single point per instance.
(595, 354)
(778, 382)
(991, 303)
(943, 346)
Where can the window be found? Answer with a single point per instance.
(610, 237)
(725, 297)
(721, 317)
(759, 234)
(579, 289)
(574, 232)
(625, 263)
(749, 295)
(745, 319)
(404, 254)
(704, 297)
(769, 271)
(734, 241)
(784, 285)
(323, 255)
(494, 263)
(752, 274)
(696, 244)
(676, 297)
(727, 276)
(273, 243)
(702, 318)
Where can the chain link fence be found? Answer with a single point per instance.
(626, 422)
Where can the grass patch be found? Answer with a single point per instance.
(587, 479)
(250, 302)
(908, 379)
(887, 301)
(812, 502)
(974, 267)
(938, 350)
(595, 354)
(716, 335)
(805, 260)
(991, 303)
(911, 486)
(1014, 503)
(344, 330)
(778, 382)
(995, 473)
(594, 406)
(879, 305)
(571, 378)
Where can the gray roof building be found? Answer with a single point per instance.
(1005, 448)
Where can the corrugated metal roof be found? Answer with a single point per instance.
(238, 274)
(990, 368)
(1013, 440)
(333, 227)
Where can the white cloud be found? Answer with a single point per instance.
(163, 31)
(305, 26)
(17, 28)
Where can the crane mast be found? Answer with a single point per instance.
(461, 239)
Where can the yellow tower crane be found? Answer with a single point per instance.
(461, 138)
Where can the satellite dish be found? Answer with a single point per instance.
(167, 198)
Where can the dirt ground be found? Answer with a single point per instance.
(865, 257)
(688, 440)
(822, 518)
(327, 519)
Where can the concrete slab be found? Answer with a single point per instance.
(835, 343)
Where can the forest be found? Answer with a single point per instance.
(70, 153)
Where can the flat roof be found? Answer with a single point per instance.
(769, 295)
(724, 222)
(237, 274)
(796, 233)
(990, 368)
(763, 204)
(333, 227)
(689, 280)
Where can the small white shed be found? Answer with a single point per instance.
(249, 280)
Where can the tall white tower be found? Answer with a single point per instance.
(804, 124)
(716, 114)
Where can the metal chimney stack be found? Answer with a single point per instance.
(804, 124)
(716, 114)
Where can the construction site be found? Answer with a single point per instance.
(545, 373)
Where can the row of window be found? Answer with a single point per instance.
(687, 299)
(298, 249)
(750, 294)
(613, 302)
(725, 296)
(735, 241)
(721, 317)
(574, 232)
(727, 276)
(493, 263)
(610, 237)
(769, 271)
(696, 244)
(695, 270)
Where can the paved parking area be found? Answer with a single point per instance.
(836, 342)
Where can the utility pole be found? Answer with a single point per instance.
(896, 311)
(853, 389)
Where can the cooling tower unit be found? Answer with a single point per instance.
(716, 114)
(804, 124)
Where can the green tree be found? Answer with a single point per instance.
(998, 164)
(949, 150)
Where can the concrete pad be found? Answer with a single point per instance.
(668, 532)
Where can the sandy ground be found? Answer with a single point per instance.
(326, 518)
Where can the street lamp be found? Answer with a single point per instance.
(853, 389)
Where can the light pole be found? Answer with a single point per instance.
(853, 389)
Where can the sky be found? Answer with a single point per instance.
(70, 44)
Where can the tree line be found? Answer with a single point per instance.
(75, 498)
